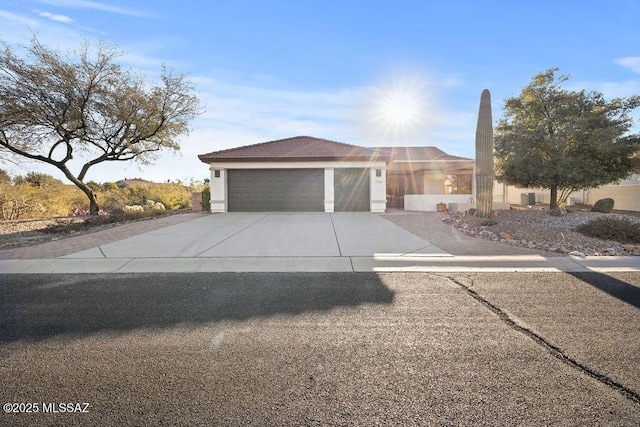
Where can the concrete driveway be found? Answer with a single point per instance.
(289, 242)
(289, 234)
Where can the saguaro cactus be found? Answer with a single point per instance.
(484, 157)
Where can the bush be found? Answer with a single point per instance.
(39, 195)
(172, 196)
(133, 209)
(621, 230)
(206, 199)
(603, 205)
(153, 206)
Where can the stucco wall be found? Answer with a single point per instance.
(428, 202)
(626, 195)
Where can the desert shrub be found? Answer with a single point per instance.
(109, 186)
(172, 196)
(136, 212)
(111, 198)
(132, 209)
(39, 195)
(620, 229)
(603, 205)
(154, 206)
(206, 199)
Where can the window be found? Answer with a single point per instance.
(458, 184)
(378, 172)
(216, 173)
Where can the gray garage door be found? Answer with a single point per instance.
(268, 190)
(351, 189)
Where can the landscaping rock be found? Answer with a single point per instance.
(557, 212)
(539, 230)
(577, 253)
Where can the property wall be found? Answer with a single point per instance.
(626, 195)
(428, 202)
(196, 201)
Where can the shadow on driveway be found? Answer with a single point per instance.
(617, 288)
(37, 307)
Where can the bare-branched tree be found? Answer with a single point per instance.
(54, 107)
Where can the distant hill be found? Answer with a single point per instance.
(123, 183)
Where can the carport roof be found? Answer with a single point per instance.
(295, 149)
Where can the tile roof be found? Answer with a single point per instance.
(296, 148)
(419, 154)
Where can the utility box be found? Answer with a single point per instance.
(527, 198)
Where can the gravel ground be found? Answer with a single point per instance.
(536, 229)
(16, 234)
(20, 233)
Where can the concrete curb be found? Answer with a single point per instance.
(527, 263)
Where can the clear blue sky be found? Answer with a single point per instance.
(362, 72)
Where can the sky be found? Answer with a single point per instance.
(363, 72)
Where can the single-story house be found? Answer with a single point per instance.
(313, 174)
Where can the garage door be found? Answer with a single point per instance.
(268, 190)
(351, 190)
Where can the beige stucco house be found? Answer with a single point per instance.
(312, 174)
(304, 173)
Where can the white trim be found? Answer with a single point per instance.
(298, 165)
(329, 190)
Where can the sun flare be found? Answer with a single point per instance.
(399, 111)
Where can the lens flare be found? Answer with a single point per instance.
(398, 112)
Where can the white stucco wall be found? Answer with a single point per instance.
(218, 187)
(428, 202)
(329, 190)
(378, 190)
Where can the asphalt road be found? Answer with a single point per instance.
(321, 349)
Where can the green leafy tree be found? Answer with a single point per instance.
(84, 106)
(563, 140)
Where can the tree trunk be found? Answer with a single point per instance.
(553, 202)
(94, 208)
